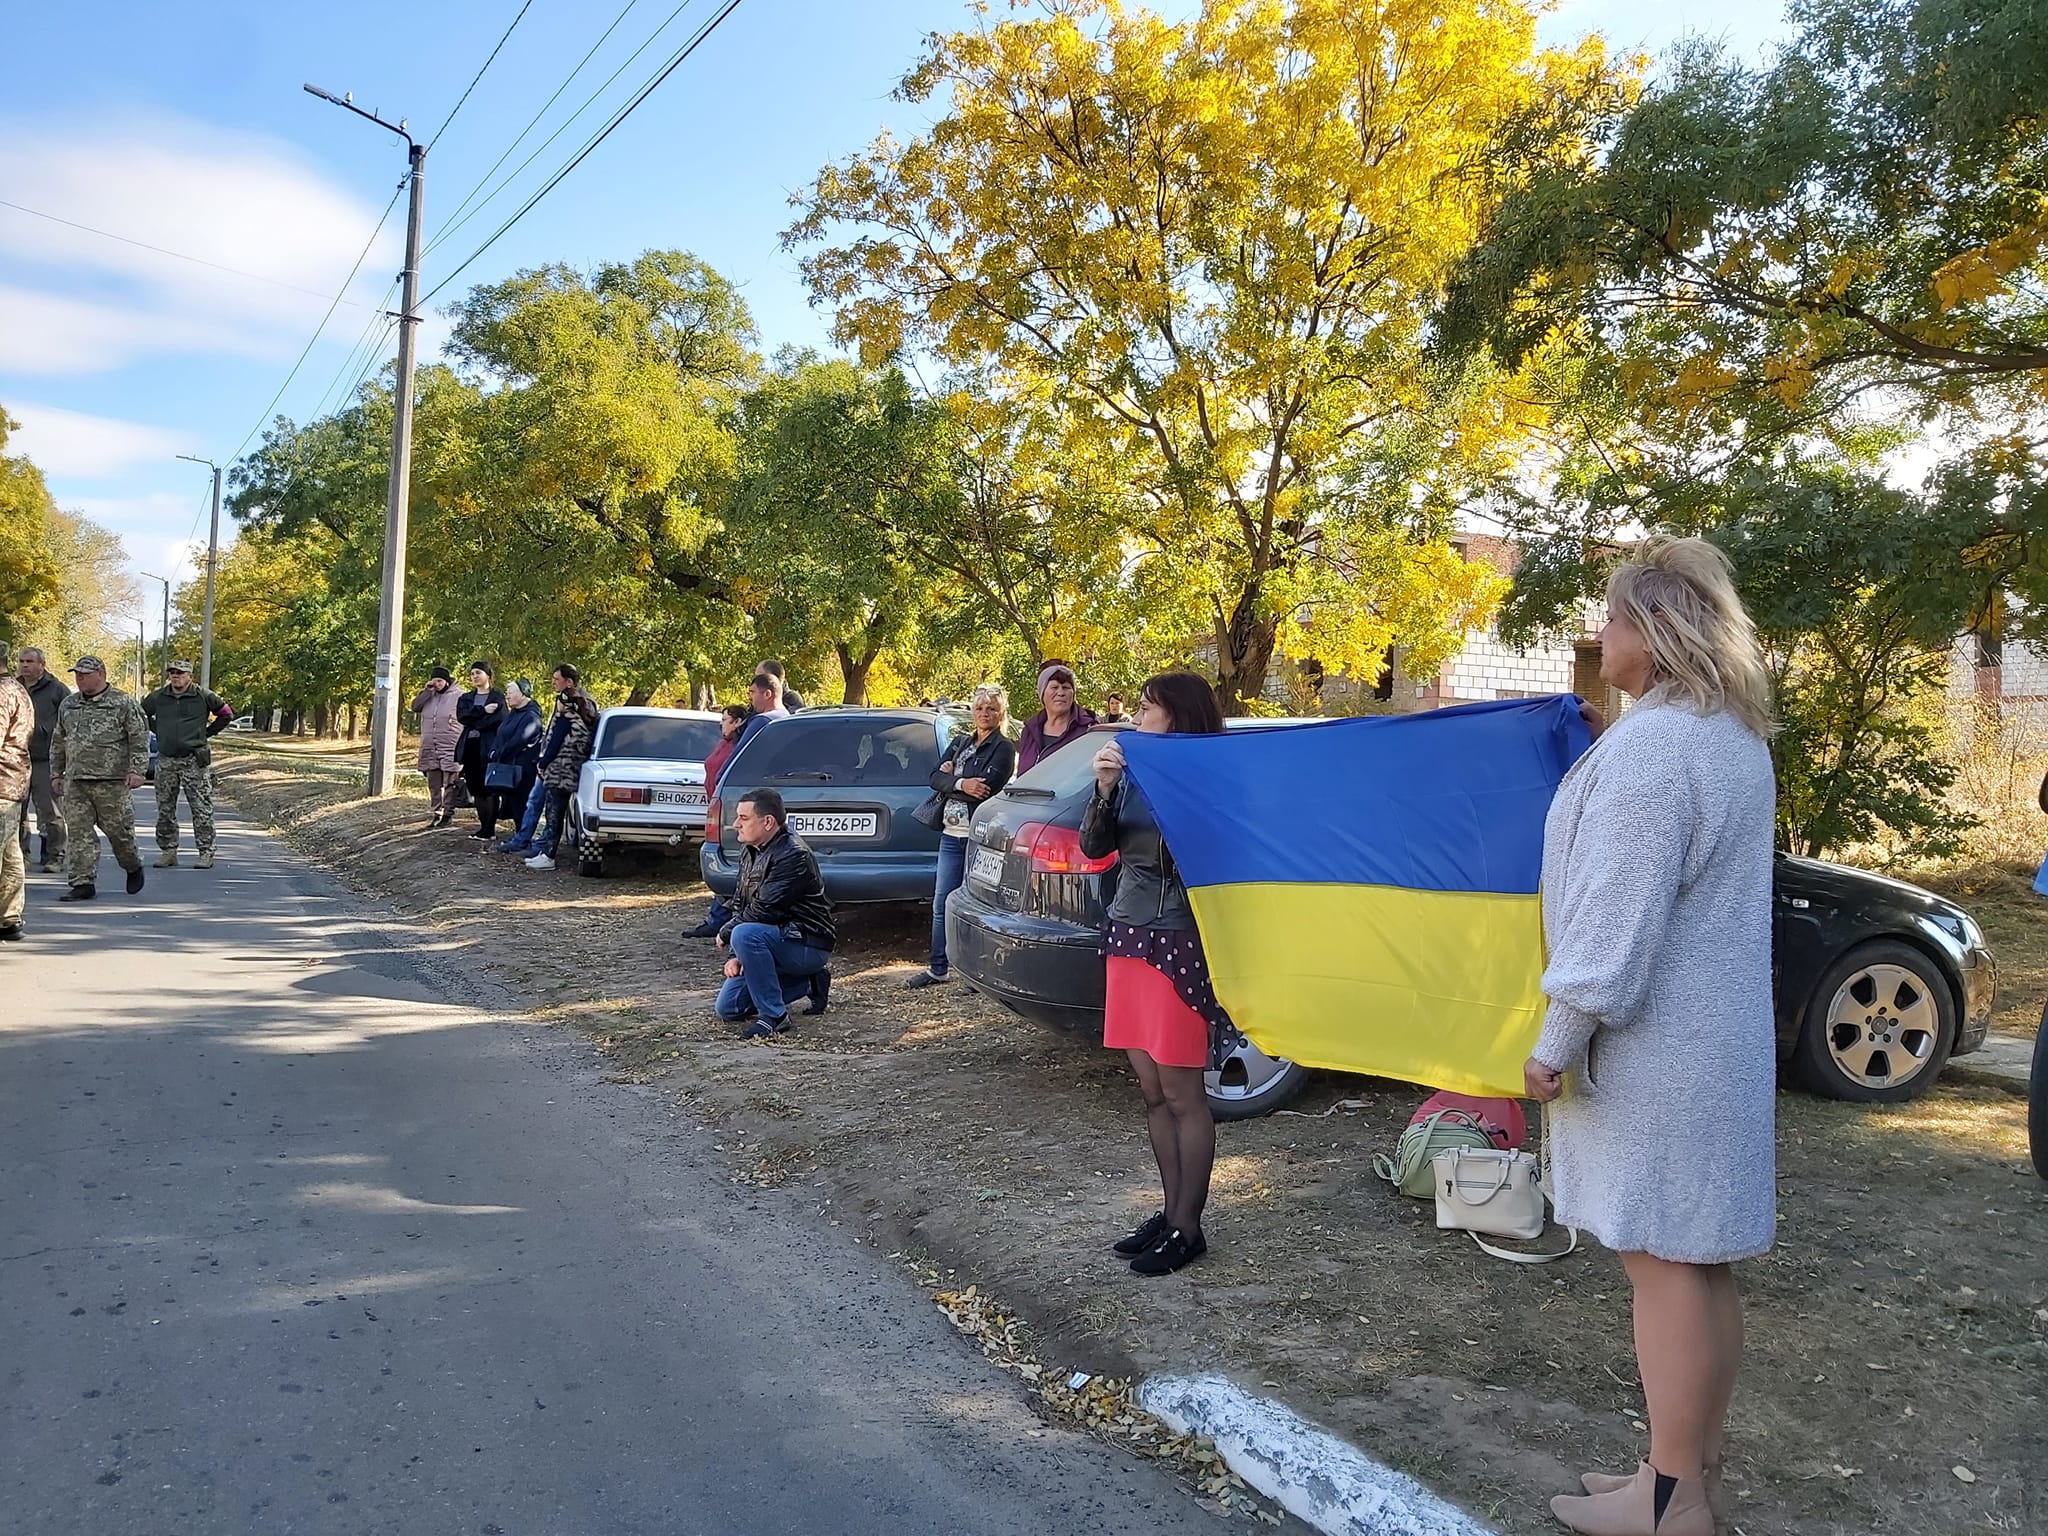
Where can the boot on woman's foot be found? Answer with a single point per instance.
(1631, 1509)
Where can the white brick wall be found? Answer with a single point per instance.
(1488, 669)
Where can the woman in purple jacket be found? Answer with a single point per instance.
(1058, 723)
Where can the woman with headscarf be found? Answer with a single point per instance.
(440, 737)
(1058, 723)
(516, 746)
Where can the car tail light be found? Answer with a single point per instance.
(1056, 850)
(714, 817)
(623, 794)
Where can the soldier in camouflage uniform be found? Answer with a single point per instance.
(184, 718)
(97, 755)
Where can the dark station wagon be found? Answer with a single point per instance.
(849, 779)
(1878, 982)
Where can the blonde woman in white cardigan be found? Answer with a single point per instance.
(1658, 1049)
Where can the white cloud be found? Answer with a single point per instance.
(73, 444)
(233, 199)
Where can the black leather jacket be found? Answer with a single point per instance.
(780, 886)
(1148, 889)
(994, 760)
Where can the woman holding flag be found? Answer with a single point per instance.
(1658, 1048)
(1159, 1007)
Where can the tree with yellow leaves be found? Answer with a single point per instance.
(1213, 247)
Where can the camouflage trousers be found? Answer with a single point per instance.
(190, 775)
(93, 806)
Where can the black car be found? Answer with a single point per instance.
(1878, 982)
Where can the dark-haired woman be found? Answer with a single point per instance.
(479, 712)
(1159, 1007)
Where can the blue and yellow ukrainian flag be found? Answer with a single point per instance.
(1366, 889)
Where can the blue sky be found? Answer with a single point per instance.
(185, 127)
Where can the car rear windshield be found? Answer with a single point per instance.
(681, 741)
(1072, 766)
(821, 749)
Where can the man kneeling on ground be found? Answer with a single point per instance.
(781, 932)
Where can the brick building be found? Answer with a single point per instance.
(1484, 668)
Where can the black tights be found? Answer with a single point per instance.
(1183, 1133)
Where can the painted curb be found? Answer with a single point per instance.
(1300, 1466)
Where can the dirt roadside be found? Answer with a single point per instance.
(1898, 1334)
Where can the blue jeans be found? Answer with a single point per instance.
(773, 967)
(952, 875)
(522, 839)
(555, 804)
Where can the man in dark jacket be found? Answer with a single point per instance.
(781, 931)
(46, 691)
(184, 718)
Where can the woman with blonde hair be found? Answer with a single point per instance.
(976, 763)
(1657, 1057)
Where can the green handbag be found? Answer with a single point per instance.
(1412, 1167)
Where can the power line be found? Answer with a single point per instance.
(527, 5)
(696, 40)
(362, 256)
(144, 245)
(535, 119)
(459, 218)
(328, 399)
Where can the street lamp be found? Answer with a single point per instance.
(166, 657)
(391, 603)
(212, 560)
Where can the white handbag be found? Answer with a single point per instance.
(1498, 1193)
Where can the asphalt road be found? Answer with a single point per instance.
(290, 1242)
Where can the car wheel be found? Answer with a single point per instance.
(1879, 1027)
(1250, 1083)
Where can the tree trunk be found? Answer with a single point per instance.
(703, 695)
(641, 693)
(1244, 653)
(856, 672)
(351, 722)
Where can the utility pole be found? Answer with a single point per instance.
(398, 495)
(212, 561)
(141, 657)
(164, 661)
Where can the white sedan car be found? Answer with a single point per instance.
(644, 782)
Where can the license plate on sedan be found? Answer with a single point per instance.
(987, 868)
(833, 823)
(679, 797)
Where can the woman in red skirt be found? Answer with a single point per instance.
(1159, 1007)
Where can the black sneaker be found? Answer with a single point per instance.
(135, 880)
(702, 931)
(1144, 1238)
(762, 1029)
(926, 979)
(84, 892)
(1174, 1251)
(821, 991)
(11, 934)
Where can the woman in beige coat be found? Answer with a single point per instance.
(440, 731)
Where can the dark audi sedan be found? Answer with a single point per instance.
(849, 779)
(1878, 982)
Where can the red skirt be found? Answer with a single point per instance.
(1143, 1012)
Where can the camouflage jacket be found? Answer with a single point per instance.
(17, 726)
(102, 737)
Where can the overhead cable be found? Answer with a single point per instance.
(696, 41)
